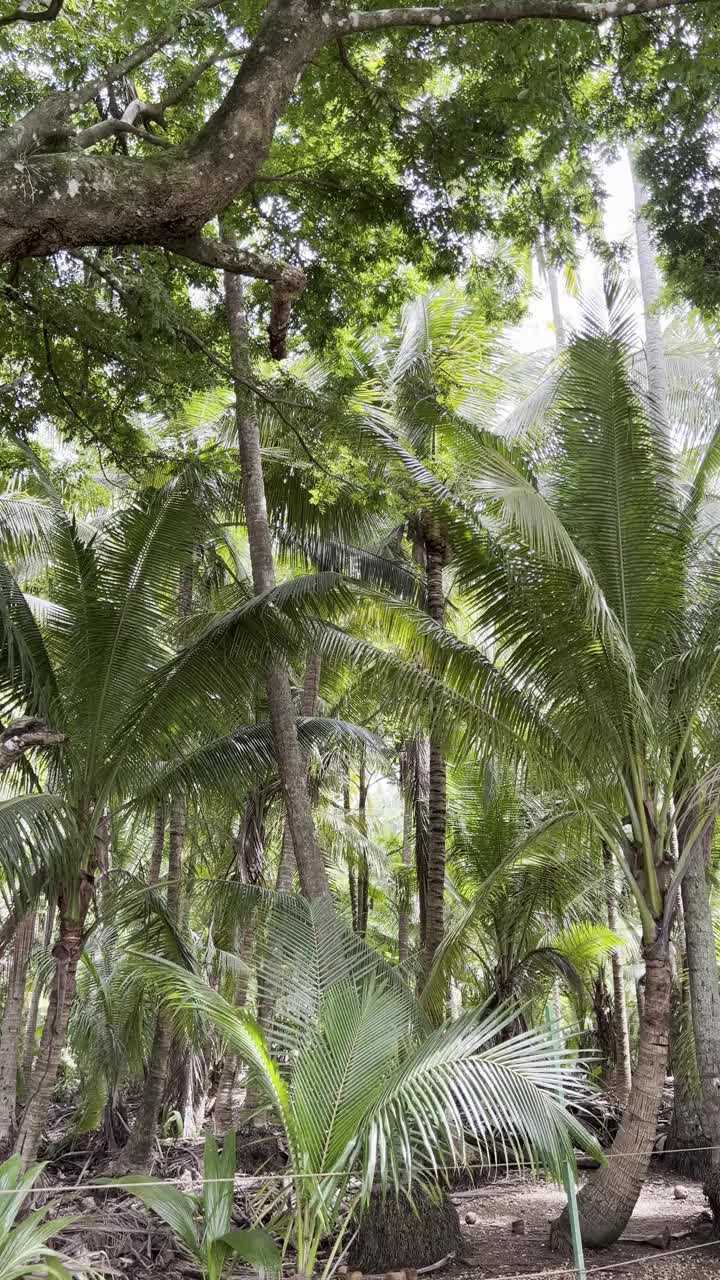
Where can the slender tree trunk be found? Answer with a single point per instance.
(34, 1009)
(67, 952)
(606, 1202)
(704, 990)
(249, 858)
(158, 845)
(551, 276)
(623, 1068)
(11, 1029)
(363, 875)
(308, 703)
(404, 903)
(422, 834)
(650, 289)
(311, 868)
(138, 1152)
(352, 875)
(435, 555)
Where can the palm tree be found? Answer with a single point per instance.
(365, 1091)
(86, 663)
(584, 577)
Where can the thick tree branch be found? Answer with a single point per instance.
(21, 735)
(48, 14)
(561, 10)
(63, 201)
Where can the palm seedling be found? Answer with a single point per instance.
(24, 1248)
(202, 1225)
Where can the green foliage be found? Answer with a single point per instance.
(365, 1091)
(203, 1225)
(24, 1249)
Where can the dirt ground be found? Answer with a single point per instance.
(494, 1249)
(116, 1235)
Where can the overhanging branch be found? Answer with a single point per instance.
(560, 10)
(48, 14)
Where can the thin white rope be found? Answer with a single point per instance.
(287, 1175)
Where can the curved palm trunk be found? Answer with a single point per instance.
(621, 1036)
(435, 554)
(67, 952)
(11, 1028)
(138, 1152)
(607, 1200)
(311, 868)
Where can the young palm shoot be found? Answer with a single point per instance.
(203, 1224)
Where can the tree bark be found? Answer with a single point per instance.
(308, 703)
(363, 874)
(435, 556)
(606, 1202)
(623, 1068)
(703, 986)
(158, 845)
(11, 1029)
(311, 868)
(138, 1152)
(422, 787)
(404, 902)
(34, 1009)
(67, 952)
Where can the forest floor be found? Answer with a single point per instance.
(506, 1236)
(494, 1248)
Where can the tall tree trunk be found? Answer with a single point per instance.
(311, 868)
(703, 986)
(66, 952)
(403, 886)
(138, 1152)
(422, 833)
(650, 290)
(435, 556)
(158, 845)
(623, 1067)
(249, 859)
(606, 1202)
(363, 874)
(11, 1029)
(550, 274)
(308, 703)
(34, 1009)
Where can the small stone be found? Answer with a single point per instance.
(680, 1193)
(355, 1275)
(87, 1204)
(471, 1219)
(518, 1227)
(342, 1271)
